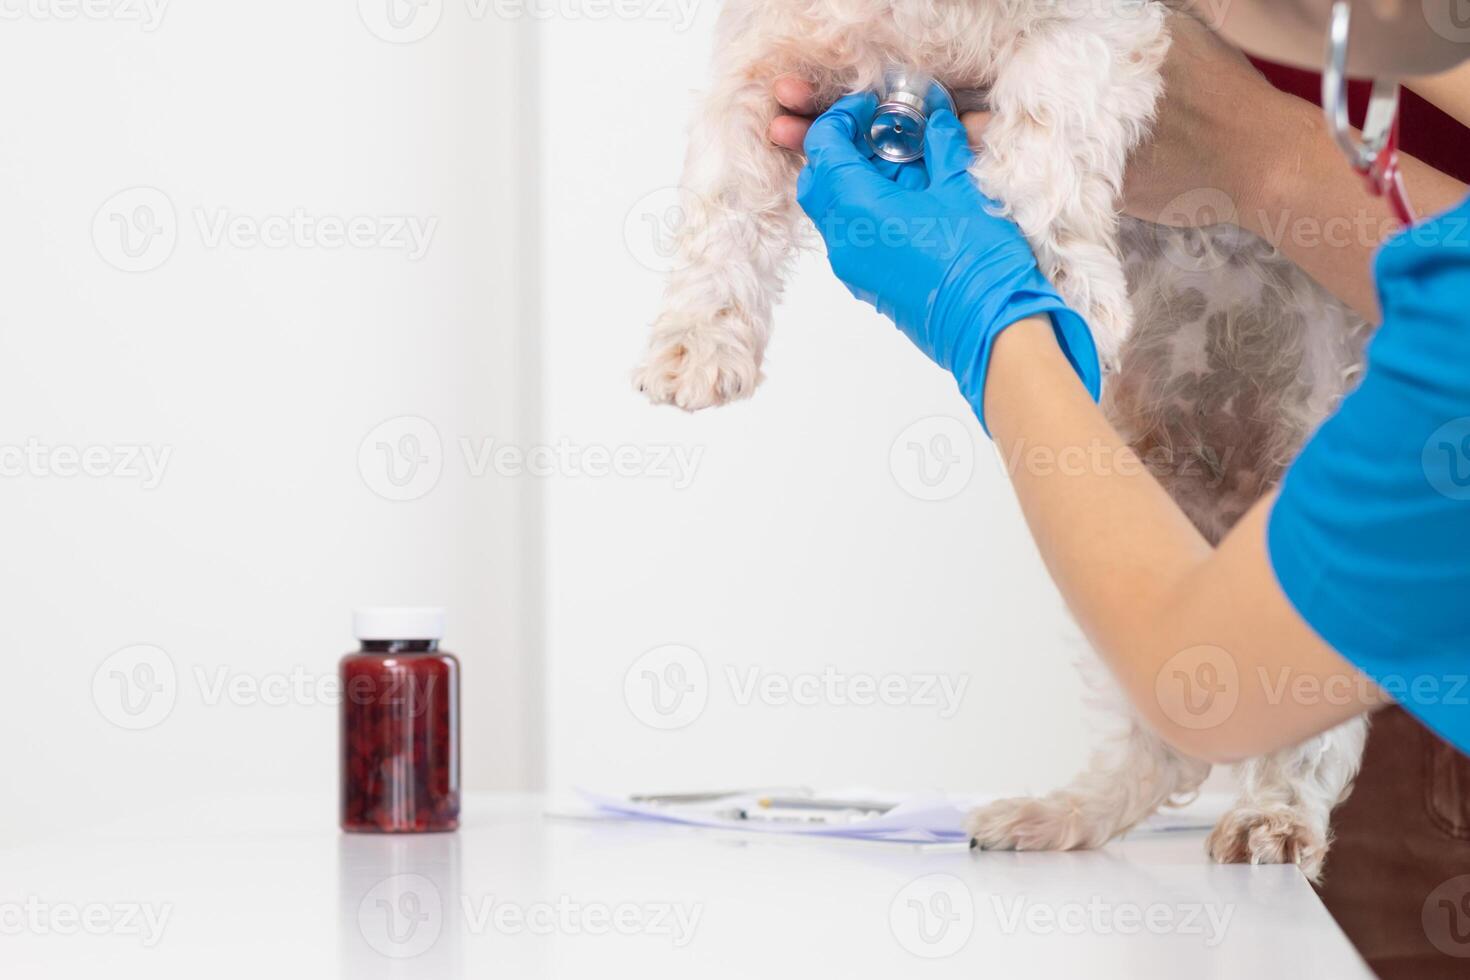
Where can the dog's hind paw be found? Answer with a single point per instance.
(696, 364)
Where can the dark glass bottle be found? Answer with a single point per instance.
(400, 725)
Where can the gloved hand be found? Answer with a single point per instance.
(920, 243)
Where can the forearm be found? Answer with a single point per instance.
(1317, 211)
(1142, 582)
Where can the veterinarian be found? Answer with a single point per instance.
(1349, 587)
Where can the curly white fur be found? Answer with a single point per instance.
(1236, 355)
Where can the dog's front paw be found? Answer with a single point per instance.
(698, 363)
(1050, 823)
(1275, 836)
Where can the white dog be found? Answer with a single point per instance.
(1220, 354)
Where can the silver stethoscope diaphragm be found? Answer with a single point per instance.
(905, 103)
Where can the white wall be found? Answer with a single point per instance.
(796, 546)
(261, 370)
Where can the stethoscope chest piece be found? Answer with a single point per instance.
(905, 103)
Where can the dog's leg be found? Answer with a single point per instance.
(1286, 800)
(1069, 105)
(1131, 775)
(732, 249)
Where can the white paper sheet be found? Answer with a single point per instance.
(918, 820)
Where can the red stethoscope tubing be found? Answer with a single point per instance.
(1386, 180)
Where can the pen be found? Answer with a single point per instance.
(708, 796)
(787, 803)
(791, 816)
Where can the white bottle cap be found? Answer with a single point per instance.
(398, 623)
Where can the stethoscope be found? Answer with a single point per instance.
(896, 133)
(1376, 156)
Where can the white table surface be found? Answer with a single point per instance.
(517, 894)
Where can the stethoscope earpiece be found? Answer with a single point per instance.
(1376, 156)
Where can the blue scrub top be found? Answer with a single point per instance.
(1370, 538)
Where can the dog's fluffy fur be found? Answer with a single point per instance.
(1221, 355)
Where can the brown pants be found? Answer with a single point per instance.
(1398, 876)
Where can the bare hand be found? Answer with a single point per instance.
(1221, 127)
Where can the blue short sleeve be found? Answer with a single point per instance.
(1370, 537)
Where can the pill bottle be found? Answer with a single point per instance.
(400, 724)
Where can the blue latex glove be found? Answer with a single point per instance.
(920, 243)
